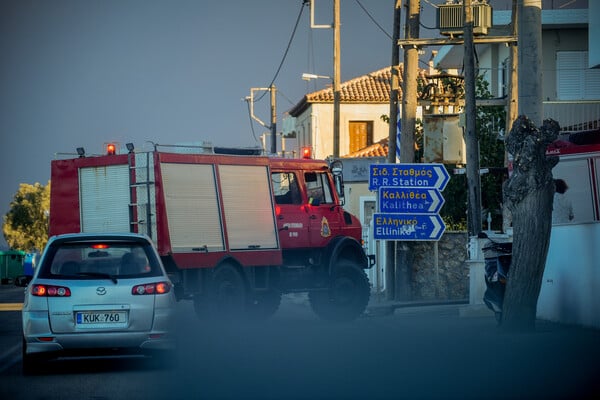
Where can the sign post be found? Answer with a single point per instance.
(409, 201)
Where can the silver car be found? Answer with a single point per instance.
(96, 294)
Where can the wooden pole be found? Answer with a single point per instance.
(471, 141)
(390, 261)
(336, 78)
(273, 91)
(404, 252)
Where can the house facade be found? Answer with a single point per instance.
(570, 70)
(364, 100)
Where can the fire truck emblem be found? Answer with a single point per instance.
(325, 231)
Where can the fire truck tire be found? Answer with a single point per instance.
(263, 304)
(226, 297)
(346, 297)
(228, 291)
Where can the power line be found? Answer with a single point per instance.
(384, 31)
(305, 2)
(286, 50)
(373, 19)
(285, 97)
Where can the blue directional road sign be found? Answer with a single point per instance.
(410, 200)
(388, 226)
(408, 175)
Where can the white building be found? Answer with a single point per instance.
(570, 54)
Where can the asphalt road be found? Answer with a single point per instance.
(416, 353)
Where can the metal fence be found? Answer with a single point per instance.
(574, 116)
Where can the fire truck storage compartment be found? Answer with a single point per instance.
(192, 207)
(192, 204)
(104, 200)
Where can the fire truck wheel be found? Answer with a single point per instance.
(263, 304)
(347, 296)
(227, 292)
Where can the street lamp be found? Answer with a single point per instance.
(308, 77)
(336, 110)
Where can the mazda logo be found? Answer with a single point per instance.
(101, 291)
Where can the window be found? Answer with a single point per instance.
(285, 188)
(318, 189)
(91, 260)
(574, 80)
(361, 135)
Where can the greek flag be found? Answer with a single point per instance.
(398, 133)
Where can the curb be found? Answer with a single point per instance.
(388, 308)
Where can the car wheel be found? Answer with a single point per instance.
(346, 297)
(32, 363)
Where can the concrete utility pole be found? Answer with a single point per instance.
(390, 265)
(530, 60)
(471, 142)
(336, 78)
(529, 191)
(407, 138)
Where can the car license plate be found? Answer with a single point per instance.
(104, 318)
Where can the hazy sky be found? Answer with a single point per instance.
(86, 72)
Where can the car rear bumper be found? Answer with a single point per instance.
(129, 342)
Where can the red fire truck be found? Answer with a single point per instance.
(234, 231)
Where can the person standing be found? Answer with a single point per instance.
(562, 212)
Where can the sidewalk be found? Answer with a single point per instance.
(379, 307)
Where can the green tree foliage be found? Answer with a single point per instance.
(26, 223)
(490, 123)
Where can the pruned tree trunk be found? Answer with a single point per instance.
(528, 194)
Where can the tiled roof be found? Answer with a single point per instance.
(379, 149)
(370, 88)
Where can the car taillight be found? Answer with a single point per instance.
(151, 288)
(50, 291)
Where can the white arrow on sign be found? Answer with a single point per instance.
(436, 199)
(441, 176)
(436, 226)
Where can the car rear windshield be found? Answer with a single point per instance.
(91, 260)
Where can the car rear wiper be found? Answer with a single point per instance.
(99, 275)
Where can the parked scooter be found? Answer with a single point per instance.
(498, 257)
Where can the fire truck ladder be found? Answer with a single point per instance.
(140, 192)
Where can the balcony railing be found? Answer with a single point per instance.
(574, 116)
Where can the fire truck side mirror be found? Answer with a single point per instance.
(336, 168)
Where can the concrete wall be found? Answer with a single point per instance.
(448, 279)
(570, 290)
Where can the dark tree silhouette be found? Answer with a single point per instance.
(528, 194)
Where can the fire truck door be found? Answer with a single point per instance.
(323, 213)
(292, 218)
